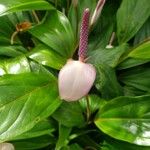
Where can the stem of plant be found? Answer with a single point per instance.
(56, 3)
(112, 38)
(36, 16)
(13, 37)
(88, 111)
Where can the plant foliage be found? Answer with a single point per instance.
(117, 115)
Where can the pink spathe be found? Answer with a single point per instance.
(75, 80)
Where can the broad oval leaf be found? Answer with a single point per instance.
(143, 34)
(12, 51)
(107, 82)
(112, 144)
(127, 119)
(137, 77)
(25, 99)
(69, 114)
(46, 56)
(44, 127)
(56, 32)
(14, 66)
(128, 16)
(131, 62)
(34, 143)
(110, 57)
(10, 6)
(141, 52)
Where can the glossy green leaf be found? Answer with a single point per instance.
(38, 68)
(107, 56)
(133, 91)
(34, 143)
(143, 34)
(14, 66)
(10, 6)
(69, 114)
(75, 147)
(12, 51)
(63, 136)
(141, 52)
(137, 77)
(131, 62)
(7, 27)
(103, 29)
(72, 147)
(127, 119)
(107, 82)
(56, 32)
(45, 56)
(117, 145)
(29, 99)
(44, 127)
(88, 141)
(128, 16)
(95, 103)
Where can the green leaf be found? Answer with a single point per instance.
(131, 62)
(137, 77)
(105, 26)
(7, 27)
(127, 119)
(75, 147)
(87, 141)
(117, 145)
(33, 143)
(14, 66)
(25, 100)
(132, 91)
(11, 51)
(10, 6)
(72, 147)
(107, 82)
(69, 114)
(63, 136)
(44, 127)
(46, 56)
(56, 32)
(143, 34)
(107, 56)
(128, 16)
(141, 52)
(95, 103)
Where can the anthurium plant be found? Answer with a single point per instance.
(74, 75)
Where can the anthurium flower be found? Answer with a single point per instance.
(77, 77)
(6, 146)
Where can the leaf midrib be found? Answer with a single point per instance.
(19, 97)
(20, 5)
(119, 119)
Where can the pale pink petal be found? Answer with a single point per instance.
(6, 146)
(75, 80)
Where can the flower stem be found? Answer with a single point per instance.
(88, 111)
(112, 38)
(13, 37)
(36, 16)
